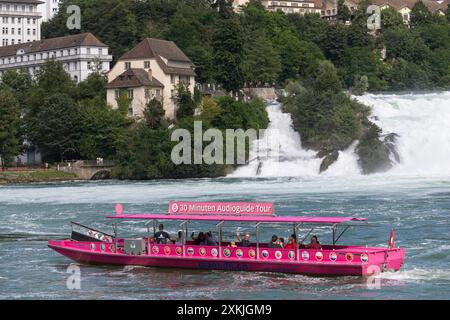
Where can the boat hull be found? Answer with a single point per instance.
(314, 268)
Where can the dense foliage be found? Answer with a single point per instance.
(329, 121)
(258, 47)
(314, 59)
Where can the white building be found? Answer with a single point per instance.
(152, 69)
(49, 8)
(80, 54)
(20, 21)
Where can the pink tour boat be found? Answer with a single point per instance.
(88, 245)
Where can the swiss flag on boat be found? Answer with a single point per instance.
(391, 239)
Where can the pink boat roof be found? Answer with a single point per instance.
(237, 218)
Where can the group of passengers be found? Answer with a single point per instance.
(204, 239)
(207, 239)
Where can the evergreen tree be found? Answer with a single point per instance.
(185, 104)
(154, 114)
(261, 62)
(227, 57)
(9, 122)
(420, 14)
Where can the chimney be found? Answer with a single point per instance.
(149, 73)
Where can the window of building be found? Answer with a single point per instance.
(127, 65)
(146, 64)
(130, 93)
(147, 93)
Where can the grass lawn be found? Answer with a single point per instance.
(37, 175)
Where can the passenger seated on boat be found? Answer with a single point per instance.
(161, 237)
(232, 244)
(292, 242)
(209, 240)
(245, 242)
(281, 242)
(200, 238)
(314, 244)
(274, 242)
(180, 237)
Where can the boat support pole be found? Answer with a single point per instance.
(334, 233)
(297, 249)
(340, 235)
(257, 240)
(310, 231)
(183, 227)
(149, 237)
(114, 225)
(219, 231)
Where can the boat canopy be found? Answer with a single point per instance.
(238, 218)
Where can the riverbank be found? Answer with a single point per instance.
(35, 175)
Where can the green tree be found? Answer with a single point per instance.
(185, 104)
(227, 58)
(124, 103)
(102, 129)
(391, 19)
(420, 14)
(343, 12)
(154, 114)
(261, 62)
(19, 83)
(93, 86)
(56, 128)
(10, 142)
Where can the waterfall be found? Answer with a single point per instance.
(279, 152)
(421, 121)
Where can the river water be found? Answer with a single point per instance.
(413, 198)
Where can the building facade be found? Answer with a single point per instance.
(404, 7)
(293, 6)
(164, 65)
(80, 55)
(20, 21)
(139, 86)
(48, 9)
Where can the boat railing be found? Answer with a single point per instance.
(81, 232)
(345, 255)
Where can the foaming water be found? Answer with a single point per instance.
(417, 208)
(421, 121)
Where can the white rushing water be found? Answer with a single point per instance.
(422, 122)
